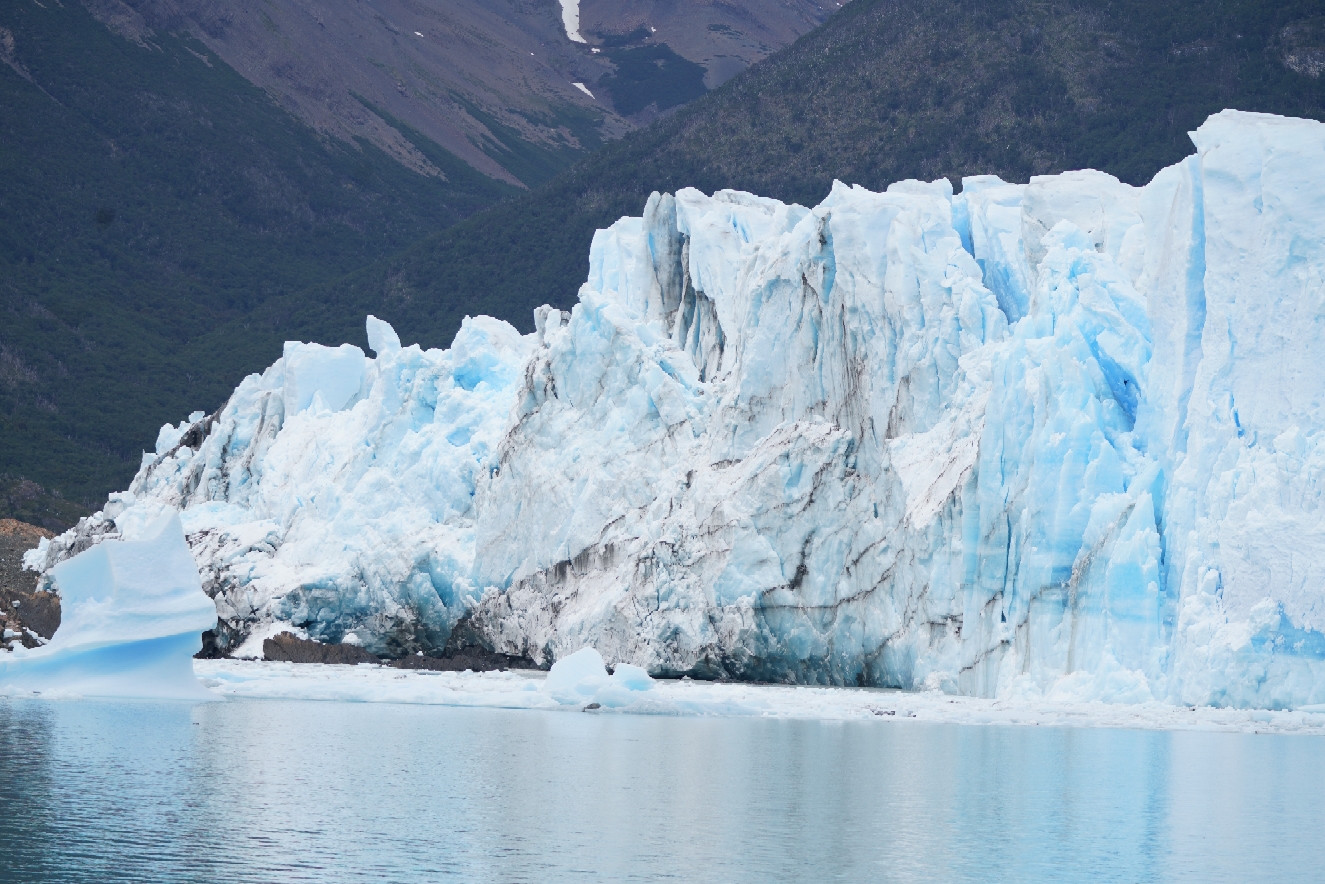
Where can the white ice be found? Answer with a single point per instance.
(528, 690)
(1055, 442)
(570, 19)
(132, 613)
(582, 678)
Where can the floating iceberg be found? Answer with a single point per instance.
(131, 617)
(582, 679)
(1057, 440)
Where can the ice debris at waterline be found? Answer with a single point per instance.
(523, 689)
(1059, 440)
(132, 612)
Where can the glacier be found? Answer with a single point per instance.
(1057, 440)
(131, 619)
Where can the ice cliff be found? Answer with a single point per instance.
(1060, 439)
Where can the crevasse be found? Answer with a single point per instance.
(1058, 440)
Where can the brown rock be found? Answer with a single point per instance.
(20, 603)
(290, 648)
(475, 659)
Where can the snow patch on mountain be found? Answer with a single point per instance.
(570, 20)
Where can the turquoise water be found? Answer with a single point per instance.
(299, 791)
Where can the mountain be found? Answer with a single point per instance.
(493, 83)
(151, 195)
(883, 91)
(1062, 439)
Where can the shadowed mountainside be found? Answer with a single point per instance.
(151, 195)
(491, 82)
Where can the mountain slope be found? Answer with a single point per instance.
(491, 82)
(151, 195)
(883, 91)
(723, 38)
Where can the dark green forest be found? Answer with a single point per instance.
(155, 274)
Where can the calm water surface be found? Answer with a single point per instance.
(290, 791)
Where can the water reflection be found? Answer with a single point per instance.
(267, 791)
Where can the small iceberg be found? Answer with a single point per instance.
(132, 617)
(582, 678)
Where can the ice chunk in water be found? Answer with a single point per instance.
(582, 678)
(632, 678)
(624, 686)
(576, 678)
(132, 617)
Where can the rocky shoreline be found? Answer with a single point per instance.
(289, 648)
(27, 616)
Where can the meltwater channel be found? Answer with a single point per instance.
(264, 791)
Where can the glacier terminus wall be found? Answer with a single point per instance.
(1061, 439)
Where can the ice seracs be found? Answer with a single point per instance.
(132, 612)
(1057, 439)
(315, 503)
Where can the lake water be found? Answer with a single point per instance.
(267, 791)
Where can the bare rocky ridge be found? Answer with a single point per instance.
(24, 611)
(24, 501)
(492, 82)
